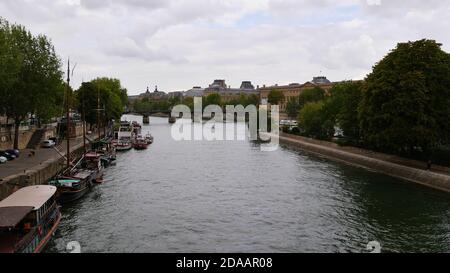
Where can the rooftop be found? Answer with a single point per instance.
(34, 196)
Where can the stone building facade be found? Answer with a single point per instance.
(293, 90)
(227, 93)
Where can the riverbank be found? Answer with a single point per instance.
(36, 170)
(405, 169)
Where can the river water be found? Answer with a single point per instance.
(231, 197)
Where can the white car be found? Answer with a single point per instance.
(3, 159)
(48, 144)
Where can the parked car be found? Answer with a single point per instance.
(48, 144)
(7, 155)
(14, 152)
(55, 139)
(3, 159)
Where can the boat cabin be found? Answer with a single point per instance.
(24, 218)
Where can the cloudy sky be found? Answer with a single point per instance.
(177, 44)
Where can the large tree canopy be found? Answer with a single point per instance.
(30, 75)
(275, 97)
(342, 108)
(406, 99)
(213, 99)
(314, 122)
(105, 94)
(311, 95)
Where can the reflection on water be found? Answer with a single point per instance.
(228, 196)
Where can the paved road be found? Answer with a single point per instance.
(24, 162)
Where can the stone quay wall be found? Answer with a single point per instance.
(405, 169)
(37, 175)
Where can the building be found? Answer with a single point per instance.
(293, 90)
(227, 93)
(153, 96)
(196, 91)
(176, 95)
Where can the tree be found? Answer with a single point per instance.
(30, 75)
(311, 95)
(342, 108)
(213, 99)
(245, 100)
(275, 97)
(313, 121)
(292, 108)
(106, 93)
(406, 99)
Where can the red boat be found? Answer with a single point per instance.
(140, 144)
(92, 161)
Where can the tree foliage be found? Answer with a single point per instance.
(311, 95)
(292, 108)
(213, 99)
(314, 122)
(103, 94)
(30, 75)
(406, 99)
(276, 97)
(342, 108)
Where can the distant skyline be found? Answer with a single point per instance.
(180, 44)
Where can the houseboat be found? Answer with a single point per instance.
(124, 137)
(92, 162)
(107, 151)
(28, 219)
(74, 186)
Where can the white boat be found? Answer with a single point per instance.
(149, 138)
(124, 141)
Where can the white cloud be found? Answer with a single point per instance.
(181, 43)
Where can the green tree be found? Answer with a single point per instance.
(30, 75)
(245, 100)
(213, 99)
(292, 108)
(252, 99)
(342, 108)
(189, 101)
(314, 122)
(406, 99)
(275, 97)
(311, 95)
(102, 93)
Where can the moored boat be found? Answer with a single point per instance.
(107, 151)
(28, 219)
(137, 128)
(124, 137)
(140, 144)
(149, 138)
(92, 162)
(123, 146)
(74, 186)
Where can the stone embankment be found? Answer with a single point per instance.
(38, 174)
(405, 169)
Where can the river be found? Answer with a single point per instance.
(229, 196)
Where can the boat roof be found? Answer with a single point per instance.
(11, 216)
(66, 181)
(92, 155)
(82, 174)
(33, 196)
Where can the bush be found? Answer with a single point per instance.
(313, 121)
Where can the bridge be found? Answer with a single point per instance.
(147, 114)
